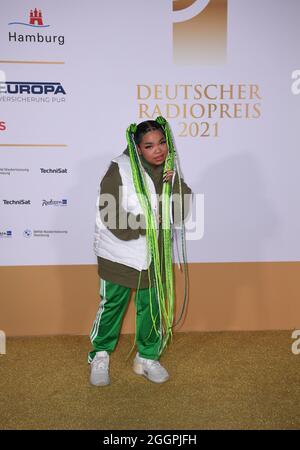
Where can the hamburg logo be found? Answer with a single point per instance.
(35, 20)
(199, 31)
(38, 36)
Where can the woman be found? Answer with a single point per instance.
(133, 246)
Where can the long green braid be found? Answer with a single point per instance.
(172, 162)
(164, 297)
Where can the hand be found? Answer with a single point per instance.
(168, 174)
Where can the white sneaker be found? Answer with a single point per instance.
(150, 368)
(99, 369)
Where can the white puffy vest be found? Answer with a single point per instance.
(131, 253)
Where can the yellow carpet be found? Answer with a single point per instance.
(219, 380)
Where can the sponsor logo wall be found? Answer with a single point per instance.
(73, 76)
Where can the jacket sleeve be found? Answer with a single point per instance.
(112, 213)
(186, 197)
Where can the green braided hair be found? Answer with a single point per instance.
(174, 164)
(171, 163)
(164, 295)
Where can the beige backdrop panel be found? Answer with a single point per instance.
(50, 300)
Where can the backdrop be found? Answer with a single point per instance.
(74, 75)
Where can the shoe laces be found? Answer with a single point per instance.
(100, 362)
(154, 363)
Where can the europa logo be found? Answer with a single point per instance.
(31, 88)
(35, 19)
(199, 31)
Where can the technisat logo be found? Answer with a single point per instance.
(199, 32)
(59, 170)
(16, 202)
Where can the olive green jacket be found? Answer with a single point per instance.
(110, 183)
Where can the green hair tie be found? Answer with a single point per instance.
(161, 120)
(132, 128)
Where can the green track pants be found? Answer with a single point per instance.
(105, 332)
